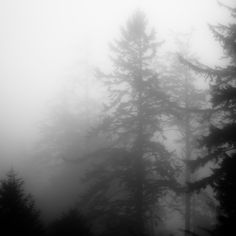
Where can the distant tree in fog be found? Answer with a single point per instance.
(65, 131)
(188, 120)
(135, 170)
(18, 215)
(63, 143)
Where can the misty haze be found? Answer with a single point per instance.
(118, 118)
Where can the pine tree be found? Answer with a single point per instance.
(221, 140)
(126, 186)
(17, 210)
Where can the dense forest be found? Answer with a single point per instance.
(154, 155)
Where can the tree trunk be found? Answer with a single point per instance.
(187, 158)
(139, 152)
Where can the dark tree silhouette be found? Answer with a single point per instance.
(135, 169)
(221, 140)
(71, 223)
(18, 215)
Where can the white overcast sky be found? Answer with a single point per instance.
(45, 42)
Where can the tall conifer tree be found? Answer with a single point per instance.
(221, 140)
(136, 167)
